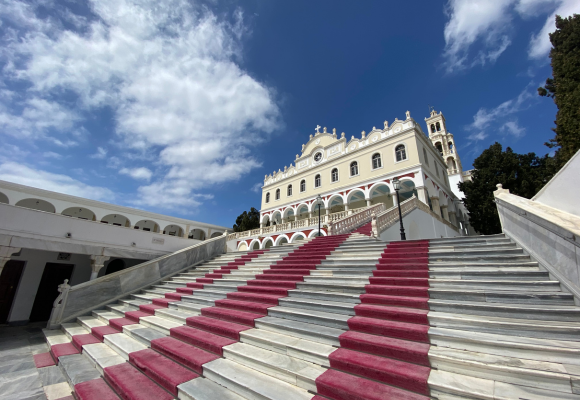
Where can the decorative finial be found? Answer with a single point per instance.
(285, 168)
(374, 128)
(304, 145)
(408, 114)
(352, 138)
(342, 135)
(499, 186)
(386, 124)
(296, 156)
(325, 129)
(396, 119)
(334, 130)
(363, 134)
(310, 137)
(317, 129)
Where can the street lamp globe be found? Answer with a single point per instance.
(396, 183)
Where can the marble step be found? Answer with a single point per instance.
(289, 369)
(326, 296)
(530, 328)
(251, 384)
(176, 314)
(102, 356)
(540, 349)
(160, 324)
(74, 328)
(199, 300)
(503, 296)
(302, 330)
(498, 284)
(358, 288)
(454, 386)
(539, 374)
(89, 322)
(331, 320)
(544, 313)
(77, 368)
(495, 252)
(122, 344)
(186, 307)
(318, 305)
(205, 389)
(303, 349)
(466, 259)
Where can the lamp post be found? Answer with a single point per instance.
(318, 202)
(397, 186)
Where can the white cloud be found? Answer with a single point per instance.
(25, 175)
(488, 23)
(168, 71)
(501, 117)
(52, 154)
(513, 128)
(140, 173)
(257, 188)
(101, 153)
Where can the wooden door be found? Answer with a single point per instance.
(54, 274)
(8, 284)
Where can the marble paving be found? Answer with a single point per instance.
(19, 377)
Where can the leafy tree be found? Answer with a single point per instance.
(247, 221)
(564, 87)
(523, 174)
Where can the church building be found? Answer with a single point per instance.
(351, 174)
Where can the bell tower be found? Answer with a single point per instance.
(444, 143)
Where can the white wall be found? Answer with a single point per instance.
(563, 190)
(418, 225)
(87, 236)
(32, 274)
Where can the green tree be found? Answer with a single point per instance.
(247, 220)
(523, 174)
(564, 87)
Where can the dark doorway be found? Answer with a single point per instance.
(8, 284)
(53, 275)
(115, 266)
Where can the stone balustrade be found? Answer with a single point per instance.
(351, 222)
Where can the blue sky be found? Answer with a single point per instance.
(181, 107)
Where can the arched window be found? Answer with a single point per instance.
(289, 190)
(438, 126)
(377, 161)
(353, 168)
(400, 152)
(433, 128)
(450, 147)
(334, 175)
(317, 181)
(277, 194)
(302, 185)
(267, 197)
(425, 157)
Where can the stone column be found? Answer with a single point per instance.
(452, 219)
(422, 194)
(435, 204)
(327, 216)
(394, 196)
(445, 213)
(5, 254)
(186, 232)
(97, 262)
(346, 208)
(261, 225)
(368, 202)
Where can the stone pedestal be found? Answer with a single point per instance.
(422, 194)
(435, 204)
(97, 262)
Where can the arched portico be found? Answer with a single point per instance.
(254, 244)
(267, 243)
(242, 246)
(36, 204)
(276, 218)
(289, 215)
(381, 193)
(336, 203)
(116, 219)
(302, 212)
(4, 198)
(173, 230)
(79, 212)
(314, 233)
(407, 190)
(197, 234)
(356, 199)
(216, 234)
(280, 240)
(147, 225)
(298, 236)
(265, 220)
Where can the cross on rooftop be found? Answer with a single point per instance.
(317, 128)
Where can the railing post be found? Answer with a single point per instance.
(375, 229)
(58, 305)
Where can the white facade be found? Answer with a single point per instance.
(44, 233)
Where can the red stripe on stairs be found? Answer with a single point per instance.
(385, 352)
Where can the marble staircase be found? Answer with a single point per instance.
(339, 317)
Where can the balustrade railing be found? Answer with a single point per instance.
(389, 217)
(352, 222)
